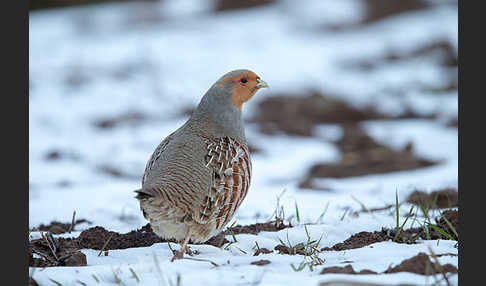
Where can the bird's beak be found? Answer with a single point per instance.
(261, 83)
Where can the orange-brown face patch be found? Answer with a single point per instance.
(241, 91)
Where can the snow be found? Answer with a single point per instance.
(95, 63)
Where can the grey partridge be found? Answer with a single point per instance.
(198, 176)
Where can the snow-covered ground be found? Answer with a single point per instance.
(157, 59)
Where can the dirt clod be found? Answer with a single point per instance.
(261, 262)
(380, 9)
(439, 199)
(56, 227)
(217, 241)
(297, 114)
(420, 264)
(262, 251)
(362, 155)
(348, 269)
(408, 236)
(453, 217)
(283, 249)
(359, 240)
(55, 252)
(130, 118)
(76, 259)
(96, 237)
(224, 5)
(256, 228)
(67, 252)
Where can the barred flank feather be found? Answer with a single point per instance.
(231, 167)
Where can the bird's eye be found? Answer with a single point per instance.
(243, 80)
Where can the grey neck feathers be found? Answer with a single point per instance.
(217, 116)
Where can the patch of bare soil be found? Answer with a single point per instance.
(443, 46)
(130, 118)
(261, 262)
(55, 252)
(55, 154)
(116, 172)
(65, 251)
(441, 49)
(225, 5)
(348, 269)
(96, 237)
(49, 4)
(421, 264)
(359, 240)
(220, 239)
(308, 183)
(283, 249)
(297, 114)
(362, 155)
(452, 216)
(262, 251)
(408, 236)
(256, 228)
(380, 9)
(439, 199)
(454, 122)
(56, 227)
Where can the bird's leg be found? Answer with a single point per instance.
(184, 247)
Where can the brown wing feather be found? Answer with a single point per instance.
(229, 161)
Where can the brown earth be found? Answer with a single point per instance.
(439, 199)
(128, 118)
(454, 122)
(225, 5)
(442, 51)
(408, 236)
(55, 252)
(116, 172)
(261, 262)
(49, 4)
(348, 269)
(56, 227)
(444, 46)
(453, 217)
(66, 250)
(362, 155)
(296, 114)
(96, 237)
(262, 251)
(283, 249)
(380, 9)
(256, 228)
(421, 264)
(56, 154)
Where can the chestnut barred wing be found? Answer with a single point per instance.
(230, 163)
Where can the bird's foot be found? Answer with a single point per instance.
(177, 255)
(189, 252)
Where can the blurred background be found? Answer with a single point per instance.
(362, 98)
